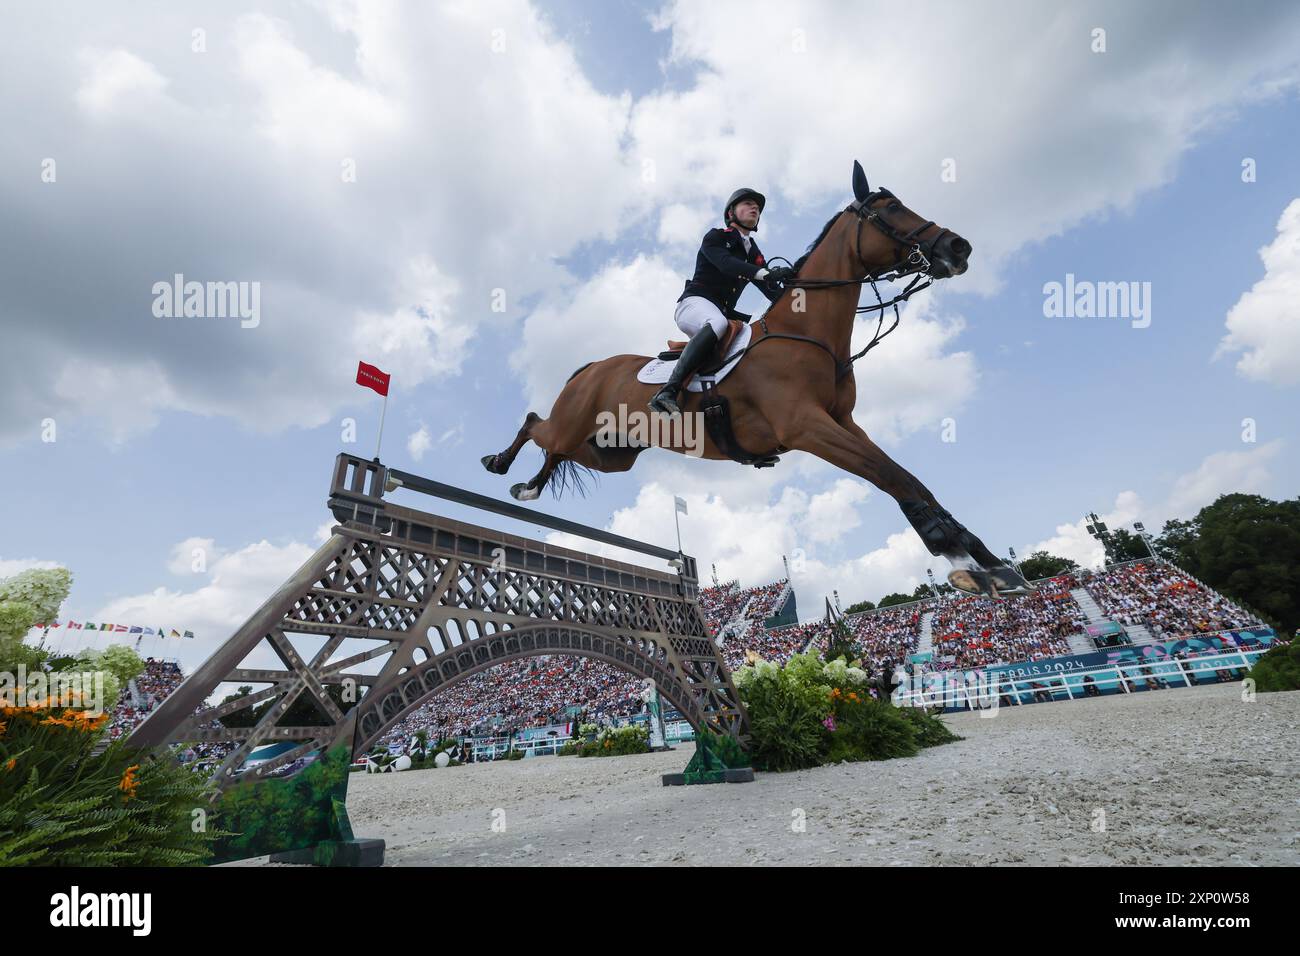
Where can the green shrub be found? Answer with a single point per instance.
(1278, 669)
(63, 805)
(930, 730)
(618, 742)
(809, 713)
(866, 729)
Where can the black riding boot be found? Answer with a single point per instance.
(693, 356)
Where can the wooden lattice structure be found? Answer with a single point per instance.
(440, 600)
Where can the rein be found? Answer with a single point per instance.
(915, 264)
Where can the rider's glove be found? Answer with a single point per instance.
(780, 274)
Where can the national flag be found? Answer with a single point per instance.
(680, 503)
(371, 377)
(190, 635)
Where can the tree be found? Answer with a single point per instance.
(891, 599)
(1125, 546)
(1248, 548)
(859, 607)
(1041, 564)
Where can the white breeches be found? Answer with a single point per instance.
(695, 312)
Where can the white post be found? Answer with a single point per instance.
(382, 415)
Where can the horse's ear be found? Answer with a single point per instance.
(861, 190)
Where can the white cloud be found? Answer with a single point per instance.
(1222, 473)
(833, 513)
(626, 308)
(235, 171)
(1073, 541)
(237, 584)
(1084, 134)
(190, 550)
(419, 442)
(1265, 322)
(745, 536)
(11, 566)
(117, 81)
(912, 380)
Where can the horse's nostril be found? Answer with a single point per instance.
(960, 248)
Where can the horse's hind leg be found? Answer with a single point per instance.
(500, 463)
(531, 490)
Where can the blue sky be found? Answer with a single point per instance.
(521, 170)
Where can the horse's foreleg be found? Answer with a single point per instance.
(847, 446)
(500, 463)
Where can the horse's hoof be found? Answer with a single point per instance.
(976, 583)
(490, 462)
(1009, 582)
(521, 492)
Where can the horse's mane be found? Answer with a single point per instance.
(798, 263)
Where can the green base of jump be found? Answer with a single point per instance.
(708, 766)
(336, 853)
(732, 775)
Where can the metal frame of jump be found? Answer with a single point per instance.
(442, 600)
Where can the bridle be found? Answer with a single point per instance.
(915, 256)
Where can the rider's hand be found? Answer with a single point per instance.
(780, 274)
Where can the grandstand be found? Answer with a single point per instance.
(1075, 613)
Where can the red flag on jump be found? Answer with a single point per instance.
(371, 377)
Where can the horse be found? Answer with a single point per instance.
(794, 388)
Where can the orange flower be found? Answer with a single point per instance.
(11, 763)
(128, 784)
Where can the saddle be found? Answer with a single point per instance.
(720, 350)
(716, 408)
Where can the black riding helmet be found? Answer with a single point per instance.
(743, 193)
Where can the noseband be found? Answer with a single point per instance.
(919, 253)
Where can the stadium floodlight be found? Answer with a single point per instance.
(1139, 527)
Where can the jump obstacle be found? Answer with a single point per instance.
(438, 600)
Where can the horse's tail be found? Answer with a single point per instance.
(569, 474)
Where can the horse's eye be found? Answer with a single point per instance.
(895, 206)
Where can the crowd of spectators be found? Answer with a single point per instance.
(763, 601)
(721, 603)
(967, 632)
(975, 632)
(1169, 603)
(535, 692)
(141, 695)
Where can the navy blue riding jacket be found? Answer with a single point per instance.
(723, 269)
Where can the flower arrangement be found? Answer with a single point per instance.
(812, 712)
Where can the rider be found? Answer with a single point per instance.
(728, 259)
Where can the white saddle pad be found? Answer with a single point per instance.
(656, 371)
